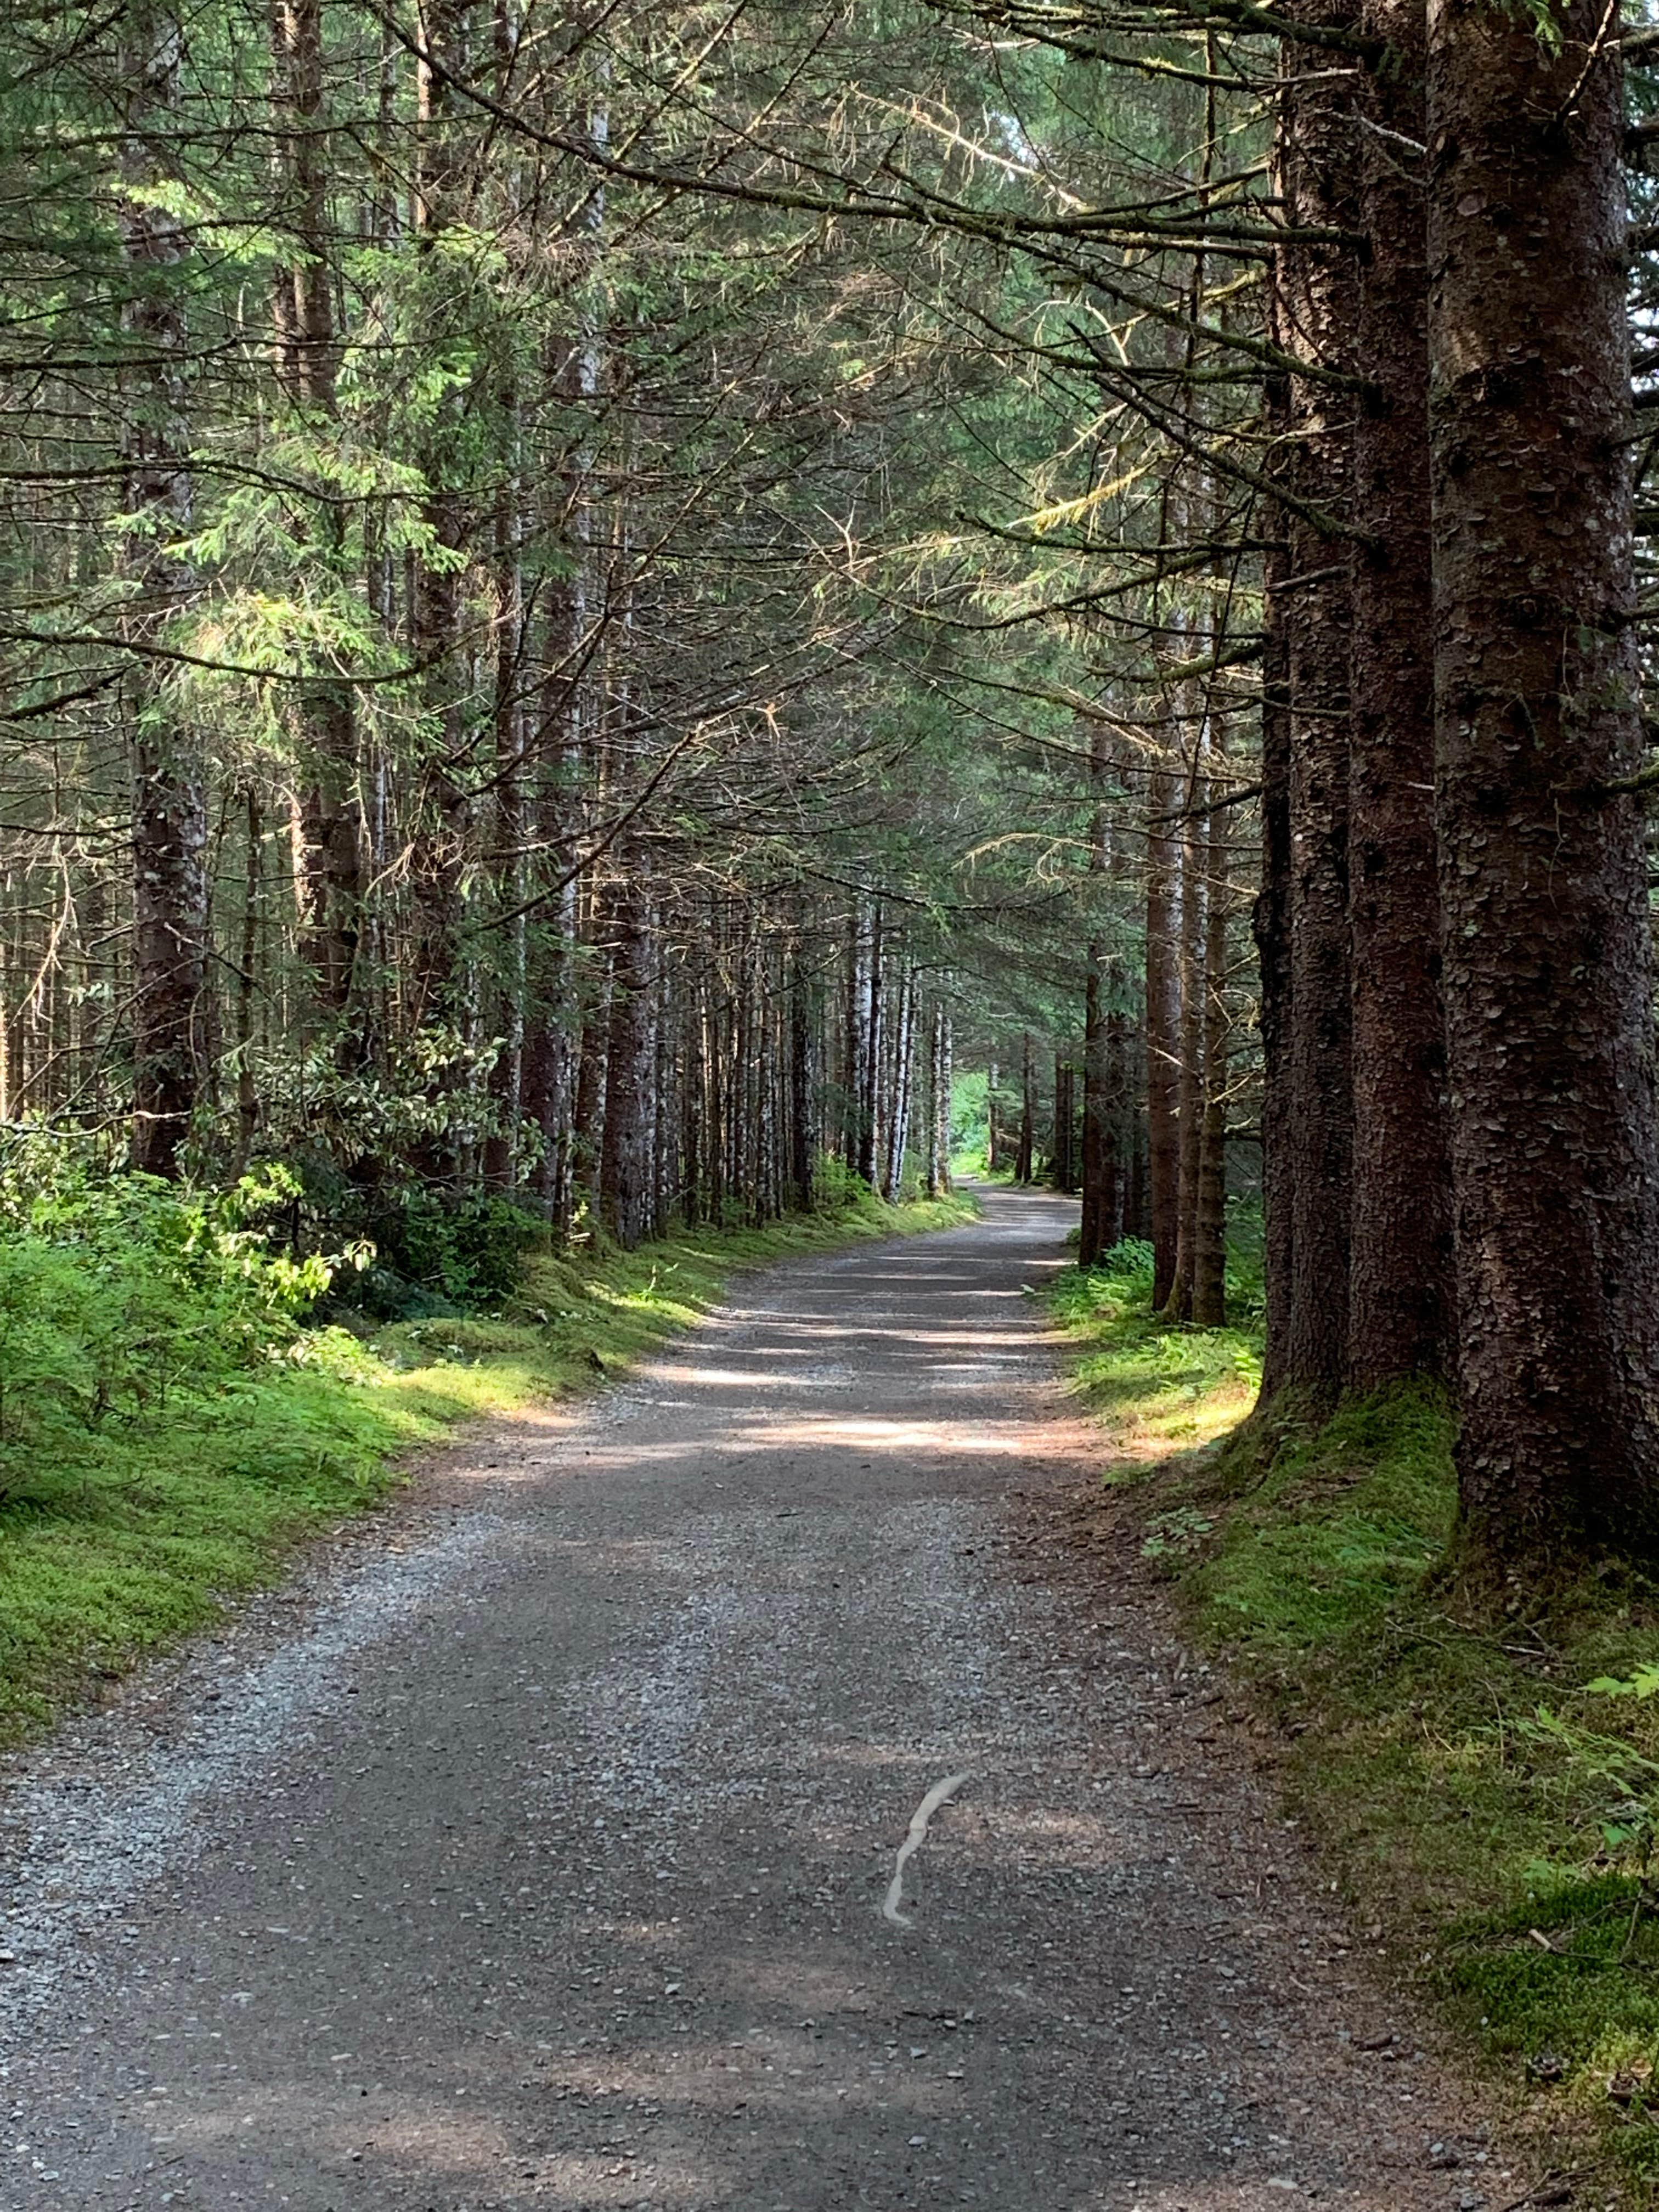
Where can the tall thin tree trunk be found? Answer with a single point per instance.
(631, 1062)
(898, 1127)
(169, 776)
(938, 1093)
(1065, 1166)
(1270, 928)
(1025, 1159)
(871, 1021)
(1178, 1306)
(587, 1117)
(331, 872)
(1101, 1163)
(247, 1091)
(803, 1134)
(1163, 1036)
(1098, 1163)
(1210, 1214)
(892, 1134)
(446, 981)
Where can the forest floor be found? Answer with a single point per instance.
(530, 1850)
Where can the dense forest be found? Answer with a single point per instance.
(609, 605)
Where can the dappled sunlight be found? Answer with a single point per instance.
(1179, 1421)
(432, 2134)
(741, 1378)
(1012, 1439)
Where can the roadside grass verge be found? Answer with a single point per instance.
(1481, 1775)
(119, 1535)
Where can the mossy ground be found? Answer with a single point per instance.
(1486, 1807)
(140, 1533)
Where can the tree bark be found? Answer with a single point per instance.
(1189, 1089)
(1064, 1166)
(1163, 1037)
(1401, 1285)
(625, 1164)
(331, 877)
(897, 1130)
(1025, 1158)
(587, 1113)
(803, 1145)
(1270, 926)
(1099, 1161)
(247, 1090)
(1209, 1210)
(868, 1022)
(446, 981)
(1102, 1164)
(1543, 874)
(1316, 302)
(939, 1095)
(169, 776)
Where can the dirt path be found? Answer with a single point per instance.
(540, 1861)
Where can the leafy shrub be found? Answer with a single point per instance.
(1132, 1261)
(117, 1291)
(432, 1257)
(836, 1186)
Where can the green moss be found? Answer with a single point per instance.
(120, 1538)
(1489, 1805)
(1341, 1528)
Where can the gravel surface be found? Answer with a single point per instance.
(530, 1851)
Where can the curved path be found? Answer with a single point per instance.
(536, 1857)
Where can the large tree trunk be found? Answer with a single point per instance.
(1400, 1276)
(1316, 306)
(1543, 873)
(169, 776)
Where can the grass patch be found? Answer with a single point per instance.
(1160, 1388)
(121, 1534)
(1484, 1779)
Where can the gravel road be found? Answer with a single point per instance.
(531, 1850)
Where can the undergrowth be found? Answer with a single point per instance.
(1484, 1777)
(172, 1421)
